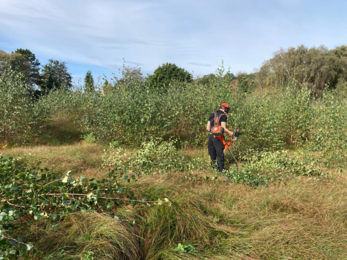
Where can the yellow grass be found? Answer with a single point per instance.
(83, 158)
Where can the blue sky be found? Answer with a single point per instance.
(196, 35)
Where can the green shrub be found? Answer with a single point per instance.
(328, 132)
(20, 118)
(272, 167)
(154, 156)
(274, 122)
(167, 74)
(90, 138)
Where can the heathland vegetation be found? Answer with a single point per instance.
(119, 169)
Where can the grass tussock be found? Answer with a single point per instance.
(83, 235)
(187, 220)
(168, 225)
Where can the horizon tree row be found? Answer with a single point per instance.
(314, 68)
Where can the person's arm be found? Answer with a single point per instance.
(208, 126)
(224, 125)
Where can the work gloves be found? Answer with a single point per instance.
(237, 133)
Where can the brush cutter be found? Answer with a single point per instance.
(227, 145)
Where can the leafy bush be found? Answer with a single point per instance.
(159, 155)
(20, 118)
(328, 132)
(90, 138)
(168, 73)
(154, 156)
(246, 82)
(62, 102)
(272, 167)
(274, 122)
(114, 157)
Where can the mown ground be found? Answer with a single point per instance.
(207, 218)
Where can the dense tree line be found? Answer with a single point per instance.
(55, 75)
(315, 68)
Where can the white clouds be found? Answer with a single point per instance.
(195, 35)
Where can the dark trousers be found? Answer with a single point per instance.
(216, 151)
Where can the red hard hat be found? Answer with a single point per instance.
(226, 107)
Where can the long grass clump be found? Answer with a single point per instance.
(81, 234)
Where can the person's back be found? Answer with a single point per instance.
(215, 142)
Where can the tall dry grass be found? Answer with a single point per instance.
(81, 234)
(82, 158)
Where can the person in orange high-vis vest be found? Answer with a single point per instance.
(216, 142)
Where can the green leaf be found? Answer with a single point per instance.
(29, 246)
(65, 179)
(183, 249)
(110, 205)
(13, 252)
(179, 248)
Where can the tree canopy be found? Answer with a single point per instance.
(316, 68)
(25, 62)
(167, 73)
(89, 82)
(32, 69)
(55, 75)
(16, 62)
(130, 75)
